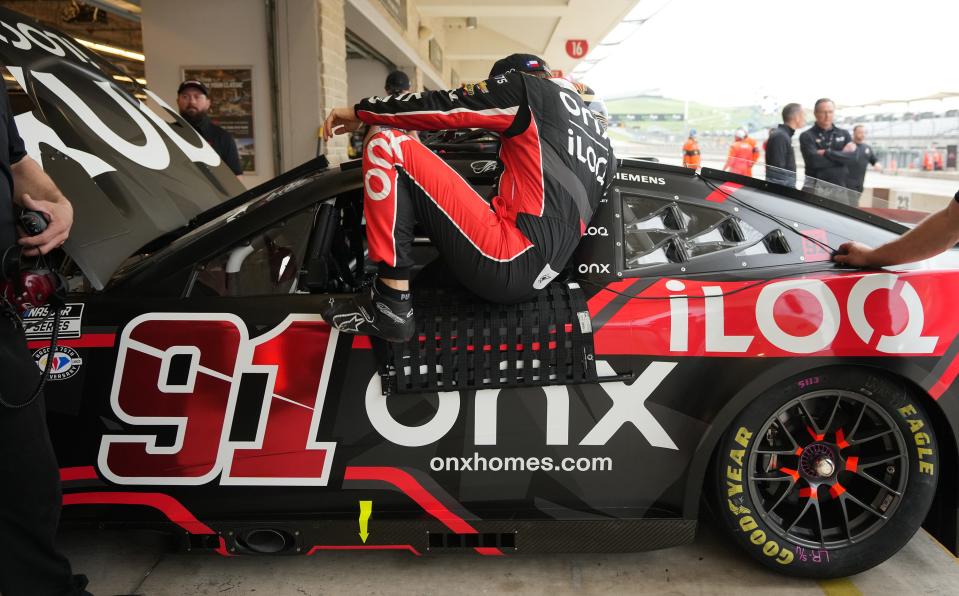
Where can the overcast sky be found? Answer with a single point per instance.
(735, 52)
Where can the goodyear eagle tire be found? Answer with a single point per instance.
(828, 473)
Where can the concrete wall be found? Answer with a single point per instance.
(184, 33)
(403, 46)
(365, 78)
(300, 106)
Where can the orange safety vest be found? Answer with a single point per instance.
(927, 161)
(691, 156)
(742, 156)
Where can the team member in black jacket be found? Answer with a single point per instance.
(780, 155)
(864, 156)
(193, 100)
(826, 149)
(557, 164)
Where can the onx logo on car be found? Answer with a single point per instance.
(593, 268)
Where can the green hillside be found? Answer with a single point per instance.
(702, 117)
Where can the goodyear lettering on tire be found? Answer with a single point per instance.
(734, 500)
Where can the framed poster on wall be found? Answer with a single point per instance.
(231, 105)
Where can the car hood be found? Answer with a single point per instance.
(133, 169)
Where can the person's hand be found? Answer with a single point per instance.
(849, 148)
(820, 152)
(854, 254)
(340, 121)
(59, 218)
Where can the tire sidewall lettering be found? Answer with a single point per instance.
(744, 520)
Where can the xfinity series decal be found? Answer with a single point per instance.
(38, 322)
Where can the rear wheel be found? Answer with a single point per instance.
(827, 474)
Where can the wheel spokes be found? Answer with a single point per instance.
(866, 463)
(863, 505)
(786, 493)
(803, 512)
(869, 438)
(809, 418)
(877, 482)
(832, 416)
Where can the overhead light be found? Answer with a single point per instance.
(471, 22)
(128, 54)
(127, 79)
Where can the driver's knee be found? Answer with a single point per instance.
(384, 146)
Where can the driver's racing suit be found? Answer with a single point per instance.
(557, 165)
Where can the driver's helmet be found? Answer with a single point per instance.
(594, 103)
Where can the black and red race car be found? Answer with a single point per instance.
(702, 347)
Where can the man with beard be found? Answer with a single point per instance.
(193, 100)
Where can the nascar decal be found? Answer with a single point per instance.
(187, 371)
(851, 315)
(38, 322)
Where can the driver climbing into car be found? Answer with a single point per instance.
(557, 165)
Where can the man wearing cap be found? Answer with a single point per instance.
(396, 82)
(193, 99)
(557, 165)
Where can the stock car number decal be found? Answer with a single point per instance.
(214, 354)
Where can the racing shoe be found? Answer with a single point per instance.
(371, 313)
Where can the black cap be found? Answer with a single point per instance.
(519, 62)
(397, 81)
(195, 84)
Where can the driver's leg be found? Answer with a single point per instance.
(404, 182)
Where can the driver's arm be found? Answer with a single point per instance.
(491, 104)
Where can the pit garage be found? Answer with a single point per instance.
(701, 398)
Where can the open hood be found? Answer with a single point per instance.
(133, 169)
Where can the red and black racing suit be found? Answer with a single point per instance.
(557, 164)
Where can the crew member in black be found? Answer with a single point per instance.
(193, 99)
(826, 150)
(30, 497)
(780, 155)
(557, 165)
(865, 156)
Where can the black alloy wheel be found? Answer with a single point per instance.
(828, 473)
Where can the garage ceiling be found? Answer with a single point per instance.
(539, 27)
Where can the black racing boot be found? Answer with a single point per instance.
(371, 313)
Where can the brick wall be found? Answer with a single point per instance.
(332, 55)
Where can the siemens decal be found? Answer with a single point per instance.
(641, 178)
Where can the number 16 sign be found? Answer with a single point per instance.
(577, 48)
